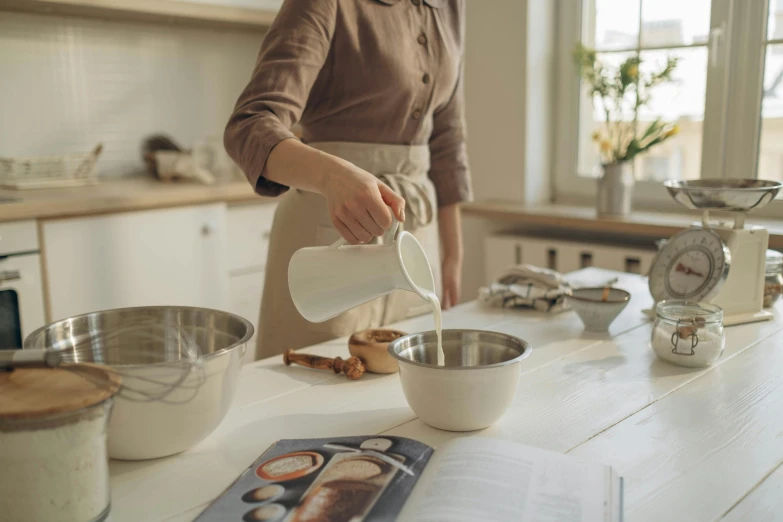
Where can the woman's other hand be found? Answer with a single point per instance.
(359, 203)
(451, 272)
(450, 228)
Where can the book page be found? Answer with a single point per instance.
(478, 478)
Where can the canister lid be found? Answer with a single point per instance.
(37, 393)
(774, 261)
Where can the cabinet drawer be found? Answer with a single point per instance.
(17, 237)
(248, 235)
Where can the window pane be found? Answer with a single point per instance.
(681, 101)
(775, 27)
(611, 24)
(771, 147)
(675, 22)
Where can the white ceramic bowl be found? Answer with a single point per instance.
(473, 389)
(199, 398)
(596, 314)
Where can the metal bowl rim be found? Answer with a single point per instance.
(713, 185)
(526, 349)
(250, 330)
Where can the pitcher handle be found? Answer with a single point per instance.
(395, 226)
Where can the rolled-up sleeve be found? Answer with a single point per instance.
(291, 56)
(449, 170)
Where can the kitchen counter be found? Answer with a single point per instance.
(692, 444)
(121, 195)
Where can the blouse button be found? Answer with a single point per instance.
(416, 2)
(422, 39)
(426, 78)
(416, 114)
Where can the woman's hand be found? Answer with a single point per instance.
(451, 273)
(359, 202)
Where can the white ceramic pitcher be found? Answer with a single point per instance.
(327, 281)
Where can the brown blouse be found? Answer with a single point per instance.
(372, 71)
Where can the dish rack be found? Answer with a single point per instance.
(66, 170)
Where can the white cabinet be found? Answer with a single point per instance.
(158, 257)
(249, 227)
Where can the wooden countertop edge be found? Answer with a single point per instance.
(639, 224)
(111, 197)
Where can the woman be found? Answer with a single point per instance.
(376, 86)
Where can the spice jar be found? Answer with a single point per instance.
(687, 333)
(53, 443)
(773, 278)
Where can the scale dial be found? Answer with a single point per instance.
(692, 265)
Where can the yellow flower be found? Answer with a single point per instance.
(674, 130)
(606, 146)
(633, 71)
(596, 136)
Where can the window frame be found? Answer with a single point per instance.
(736, 52)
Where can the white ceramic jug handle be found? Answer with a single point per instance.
(395, 226)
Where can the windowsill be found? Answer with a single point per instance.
(640, 224)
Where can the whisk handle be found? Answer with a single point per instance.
(10, 359)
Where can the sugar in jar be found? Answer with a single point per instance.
(688, 333)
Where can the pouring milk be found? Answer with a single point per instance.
(327, 281)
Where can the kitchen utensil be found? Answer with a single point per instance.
(327, 281)
(134, 339)
(53, 443)
(148, 429)
(598, 307)
(475, 386)
(371, 346)
(717, 262)
(687, 333)
(352, 367)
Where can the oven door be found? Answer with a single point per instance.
(21, 298)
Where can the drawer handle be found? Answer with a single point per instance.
(10, 275)
(206, 230)
(266, 234)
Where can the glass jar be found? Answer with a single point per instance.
(687, 333)
(773, 278)
(53, 446)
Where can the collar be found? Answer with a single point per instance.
(437, 4)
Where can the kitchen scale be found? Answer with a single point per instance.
(714, 261)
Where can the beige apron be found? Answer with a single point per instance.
(302, 220)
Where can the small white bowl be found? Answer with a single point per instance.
(473, 389)
(595, 313)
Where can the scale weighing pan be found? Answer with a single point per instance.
(729, 195)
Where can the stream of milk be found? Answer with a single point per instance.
(435, 302)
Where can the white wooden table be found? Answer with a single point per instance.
(692, 445)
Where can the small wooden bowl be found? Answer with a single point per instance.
(371, 347)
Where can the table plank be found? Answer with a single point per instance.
(694, 453)
(763, 504)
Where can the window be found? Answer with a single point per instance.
(727, 97)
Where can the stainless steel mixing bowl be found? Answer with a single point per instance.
(197, 400)
(475, 386)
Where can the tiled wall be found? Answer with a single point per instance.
(68, 83)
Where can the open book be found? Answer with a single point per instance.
(380, 478)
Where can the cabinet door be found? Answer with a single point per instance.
(245, 301)
(249, 226)
(157, 257)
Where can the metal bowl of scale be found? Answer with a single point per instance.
(473, 388)
(179, 366)
(729, 195)
(598, 307)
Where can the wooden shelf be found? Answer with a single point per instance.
(639, 224)
(160, 11)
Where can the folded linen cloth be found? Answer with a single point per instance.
(527, 286)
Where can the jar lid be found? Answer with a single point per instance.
(37, 393)
(689, 312)
(774, 261)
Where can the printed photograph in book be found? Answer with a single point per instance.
(325, 480)
(383, 478)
